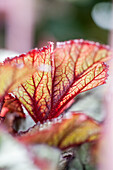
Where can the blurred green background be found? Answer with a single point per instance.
(69, 19)
(58, 20)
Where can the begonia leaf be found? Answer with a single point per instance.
(13, 105)
(73, 67)
(11, 75)
(72, 131)
(12, 113)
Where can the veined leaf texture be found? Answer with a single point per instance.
(62, 73)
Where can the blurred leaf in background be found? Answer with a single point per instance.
(102, 15)
(15, 156)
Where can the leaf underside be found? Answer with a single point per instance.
(72, 131)
(73, 67)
